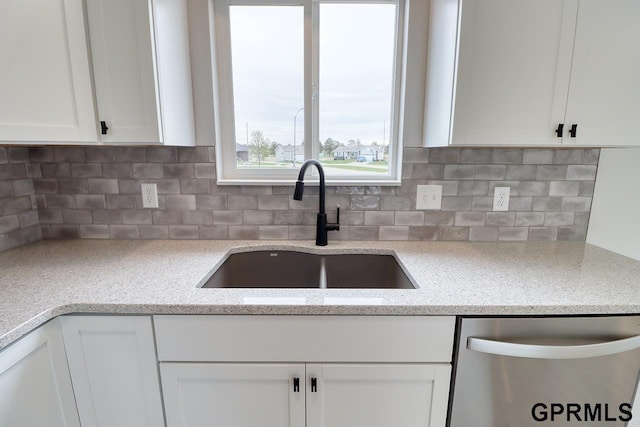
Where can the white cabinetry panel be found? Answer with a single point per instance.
(45, 82)
(69, 65)
(142, 71)
(332, 395)
(123, 68)
(35, 387)
(514, 64)
(114, 370)
(377, 395)
(388, 391)
(533, 73)
(604, 96)
(233, 395)
(305, 338)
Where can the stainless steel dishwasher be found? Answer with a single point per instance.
(520, 372)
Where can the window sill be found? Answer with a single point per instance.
(329, 182)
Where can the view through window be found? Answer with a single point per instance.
(268, 84)
(356, 86)
(354, 60)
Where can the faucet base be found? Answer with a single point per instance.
(321, 230)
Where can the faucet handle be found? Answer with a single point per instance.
(336, 225)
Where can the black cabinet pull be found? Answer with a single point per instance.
(314, 385)
(559, 130)
(296, 385)
(103, 127)
(573, 130)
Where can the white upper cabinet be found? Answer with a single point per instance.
(533, 73)
(604, 95)
(123, 68)
(45, 82)
(142, 72)
(122, 76)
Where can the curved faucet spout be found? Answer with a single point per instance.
(299, 191)
(322, 226)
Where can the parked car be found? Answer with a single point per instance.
(361, 159)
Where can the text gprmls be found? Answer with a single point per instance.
(589, 412)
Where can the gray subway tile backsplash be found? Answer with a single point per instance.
(94, 231)
(483, 234)
(94, 193)
(181, 232)
(393, 232)
(542, 156)
(543, 233)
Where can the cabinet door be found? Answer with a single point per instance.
(604, 96)
(123, 67)
(233, 395)
(514, 64)
(113, 366)
(411, 395)
(45, 83)
(35, 387)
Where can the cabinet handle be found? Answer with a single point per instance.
(505, 348)
(573, 130)
(103, 127)
(296, 385)
(314, 385)
(559, 130)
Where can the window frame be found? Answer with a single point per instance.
(227, 172)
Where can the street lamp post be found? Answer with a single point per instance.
(295, 117)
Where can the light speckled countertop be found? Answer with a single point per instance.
(46, 279)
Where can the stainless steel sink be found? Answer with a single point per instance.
(292, 269)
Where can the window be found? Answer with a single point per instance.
(297, 79)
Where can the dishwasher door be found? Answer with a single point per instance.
(515, 372)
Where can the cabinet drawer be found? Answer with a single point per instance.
(201, 338)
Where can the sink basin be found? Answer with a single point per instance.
(292, 269)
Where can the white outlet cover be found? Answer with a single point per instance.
(429, 197)
(501, 198)
(149, 195)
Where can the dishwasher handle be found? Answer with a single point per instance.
(533, 351)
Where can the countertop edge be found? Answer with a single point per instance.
(311, 310)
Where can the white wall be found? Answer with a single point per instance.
(615, 213)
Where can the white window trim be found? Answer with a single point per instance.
(226, 172)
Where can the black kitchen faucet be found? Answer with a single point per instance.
(322, 227)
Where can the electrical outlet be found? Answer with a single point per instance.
(429, 197)
(149, 195)
(501, 198)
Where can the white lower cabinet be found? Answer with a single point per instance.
(113, 367)
(297, 371)
(35, 387)
(399, 395)
(229, 371)
(229, 395)
(327, 395)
